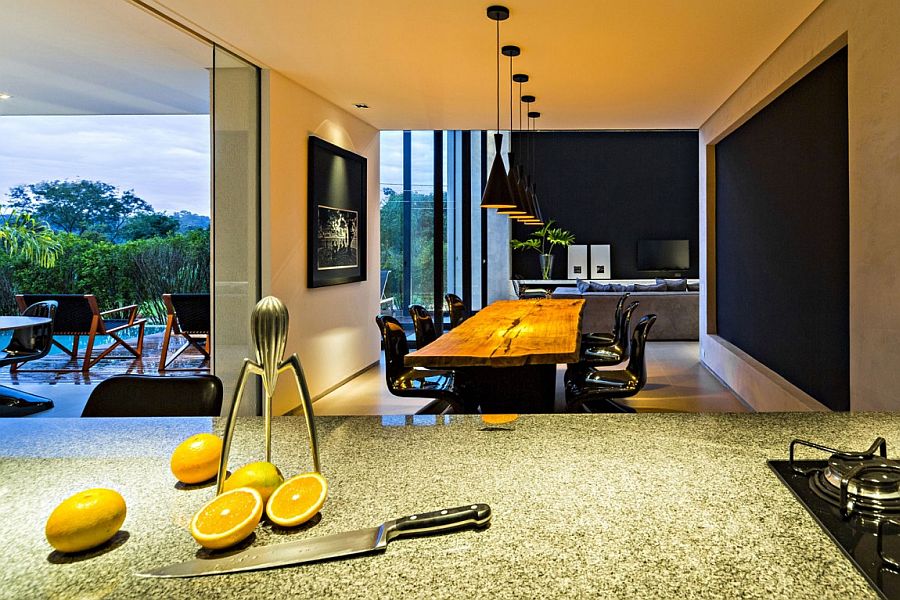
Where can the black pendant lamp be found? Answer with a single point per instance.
(514, 183)
(538, 214)
(497, 192)
(521, 177)
(531, 218)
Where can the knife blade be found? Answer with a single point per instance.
(348, 543)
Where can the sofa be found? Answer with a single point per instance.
(677, 312)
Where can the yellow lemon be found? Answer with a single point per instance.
(297, 500)
(85, 520)
(196, 459)
(263, 477)
(227, 519)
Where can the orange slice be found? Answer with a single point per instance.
(297, 500)
(498, 419)
(227, 519)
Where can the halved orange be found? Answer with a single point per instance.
(227, 519)
(297, 500)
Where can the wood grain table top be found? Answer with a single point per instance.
(509, 333)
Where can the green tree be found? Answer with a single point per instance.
(79, 206)
(21, 235)
(149, 225)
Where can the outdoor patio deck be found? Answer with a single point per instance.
(70, 390)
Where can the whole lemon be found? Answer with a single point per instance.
(196, 459)
(264, 477)
(85, 520)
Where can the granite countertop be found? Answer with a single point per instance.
(599, 506)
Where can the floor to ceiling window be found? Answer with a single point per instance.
(432, 230)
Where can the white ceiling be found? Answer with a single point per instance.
(65, 57)
(594, 64)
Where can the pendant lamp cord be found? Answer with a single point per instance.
(510, 101)
(498, 76)
(520, 111)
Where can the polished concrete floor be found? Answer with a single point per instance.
(676, 382)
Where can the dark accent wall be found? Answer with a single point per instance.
(615, 187)
(782, 235)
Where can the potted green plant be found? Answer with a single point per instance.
(539, 242)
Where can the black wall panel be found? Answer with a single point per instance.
(782, 235)
(615, 188)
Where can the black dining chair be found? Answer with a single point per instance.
(31, 343)
(610, 354)
(423, 325)
(607, 339)
(156, 396)
(410, 382)
(596, 390)
(457, 309)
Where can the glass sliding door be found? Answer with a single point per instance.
(235, 218)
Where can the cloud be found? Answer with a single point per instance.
(163, 158)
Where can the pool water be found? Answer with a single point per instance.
(100, 341)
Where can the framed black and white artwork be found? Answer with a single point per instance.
(336, 215)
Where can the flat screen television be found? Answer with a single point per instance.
(663, 255)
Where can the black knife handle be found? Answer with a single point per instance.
(439, 521)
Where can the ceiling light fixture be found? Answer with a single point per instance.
(539, 216)
(524, 192)
(497, 193)
(361, 105)
(529, 193)
(515, 184)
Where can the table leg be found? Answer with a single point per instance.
(520, 390)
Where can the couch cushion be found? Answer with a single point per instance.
(693, 287)
(650, 287)
(674, 285)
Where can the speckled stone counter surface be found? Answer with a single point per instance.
(594, 506)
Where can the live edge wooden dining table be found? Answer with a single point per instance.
(505, 355)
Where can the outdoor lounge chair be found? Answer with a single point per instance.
(188, 317)
(79, 315)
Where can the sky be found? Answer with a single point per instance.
(422, 152)
(163, 158)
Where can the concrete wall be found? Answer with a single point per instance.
(332, 328)
(870, 30)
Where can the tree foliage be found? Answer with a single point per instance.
(21, 235)
(79, 206)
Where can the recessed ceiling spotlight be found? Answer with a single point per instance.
(4, 96)
(361, 105)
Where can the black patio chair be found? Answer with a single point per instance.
(79, 315)
(188, 317)
(156, 396)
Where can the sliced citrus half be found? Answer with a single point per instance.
(498, 419)
(227, 519)
(297, 500)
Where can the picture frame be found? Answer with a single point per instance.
(601, 262)
(336, 215)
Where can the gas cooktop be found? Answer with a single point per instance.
(855, 497)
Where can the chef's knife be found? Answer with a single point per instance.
(338, 545)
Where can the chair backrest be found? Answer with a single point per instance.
(637, 363)
(423, 325)
(191, 311)
(617, 319)
(457, 309)
(155, 396)
(35, 342)
(395, 347)
(621, 332)
(74, 312)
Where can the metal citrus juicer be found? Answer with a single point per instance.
(269, 328)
